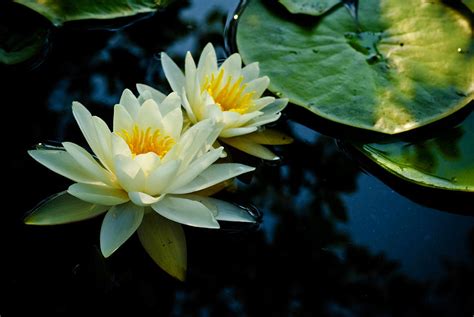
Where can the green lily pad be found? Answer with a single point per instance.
(60, 11)
(406, 64)
(20, 41)
(311, 7)
(445, 161)
(469, 4)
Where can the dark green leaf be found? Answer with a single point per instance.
(60, 11)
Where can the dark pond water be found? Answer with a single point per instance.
(338, 236)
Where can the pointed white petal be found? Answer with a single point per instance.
(143, 199)
(186, 211)
(119, 146)
(261, 103)
(88, 127)
(160, 179)
(172, 115)
(149, 116)
(250, 147)
(147, 92)
(233, 132)
(122, 119)
(148, 162)
(187, 106)
(250, 72)
(98, 194)
(194, 169)
(258, 86)
(264, 120)
(119, 224)
(63, 208)
(207, 61)
(232, 66)
(214, 174)
(173, 73)
(104, 138)
(64, 164)
(130, 102)
(130, 176)
(190, 74)
(277, 106)
(88, 163)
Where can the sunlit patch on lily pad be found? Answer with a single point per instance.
(404, 65)
(445, 161)
(60, 11)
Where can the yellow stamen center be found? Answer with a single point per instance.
(144, 141)
(228, 95)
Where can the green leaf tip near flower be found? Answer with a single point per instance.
(63, 208)
(165, 242)
(404, 65)
(60, 11)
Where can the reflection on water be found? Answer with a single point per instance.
(334, 241)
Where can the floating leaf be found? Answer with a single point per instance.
(20, 41)
(445, 161)
(469, 4)
(311, 7)
(60, 11)
(412, 63)
(165, 242)
(63, 208)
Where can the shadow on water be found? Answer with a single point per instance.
(299, 263)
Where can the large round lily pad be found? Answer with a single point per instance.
(445, 161)
(406, 64)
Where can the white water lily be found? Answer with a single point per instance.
(145, 172)
(229, 94)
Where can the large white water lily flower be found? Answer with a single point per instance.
(146, 173)
(229, 94)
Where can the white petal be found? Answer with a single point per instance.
(187, 106)
(258, 86)
(149, 116)
(104, 138)
(130, 102)
(98, 194)
(129, 174)
(213, 112)
(214, 174)
(160, 179)
(88, 127)
(233, 132)
(250, 147)
(172, 116)
(190, 74)
(261, 103)
(194, 169)
(173, 73)
(119, 146)
(148, 162)
(207, 62)
(277, 106)
(264, 120)
(194, 140)
(147, 92)
(64, 164)
(250, 72)
(232, 66)
(118, 225)
(143, 199)
(87, 162)
(186, 211)
(122, 119)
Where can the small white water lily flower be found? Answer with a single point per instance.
(229, 94)
(145, 173)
